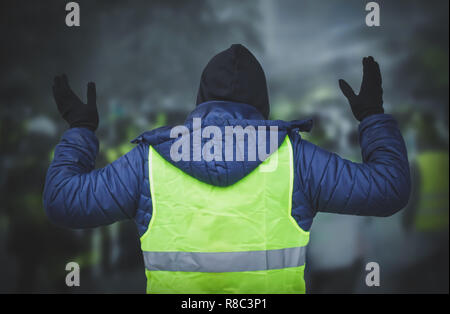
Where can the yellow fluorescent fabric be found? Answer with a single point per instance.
(287, 280)
(251, 215)
(432, 214)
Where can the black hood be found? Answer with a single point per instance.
(235, 75)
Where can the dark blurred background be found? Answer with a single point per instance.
(146, 58)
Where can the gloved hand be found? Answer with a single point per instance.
(370, 98)
(71, 108)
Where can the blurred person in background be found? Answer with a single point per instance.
(426, 217)
(212, 234)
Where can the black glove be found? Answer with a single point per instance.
(71, 108)
(370, 98)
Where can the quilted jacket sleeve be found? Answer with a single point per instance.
(379, 186)
(77, 196)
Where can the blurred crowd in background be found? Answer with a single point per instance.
(146, 58)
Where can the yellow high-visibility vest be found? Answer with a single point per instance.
(235, 239)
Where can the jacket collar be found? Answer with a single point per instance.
(222, 113)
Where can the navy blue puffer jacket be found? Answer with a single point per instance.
(78, 196)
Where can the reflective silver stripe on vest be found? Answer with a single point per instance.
(219, 262)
